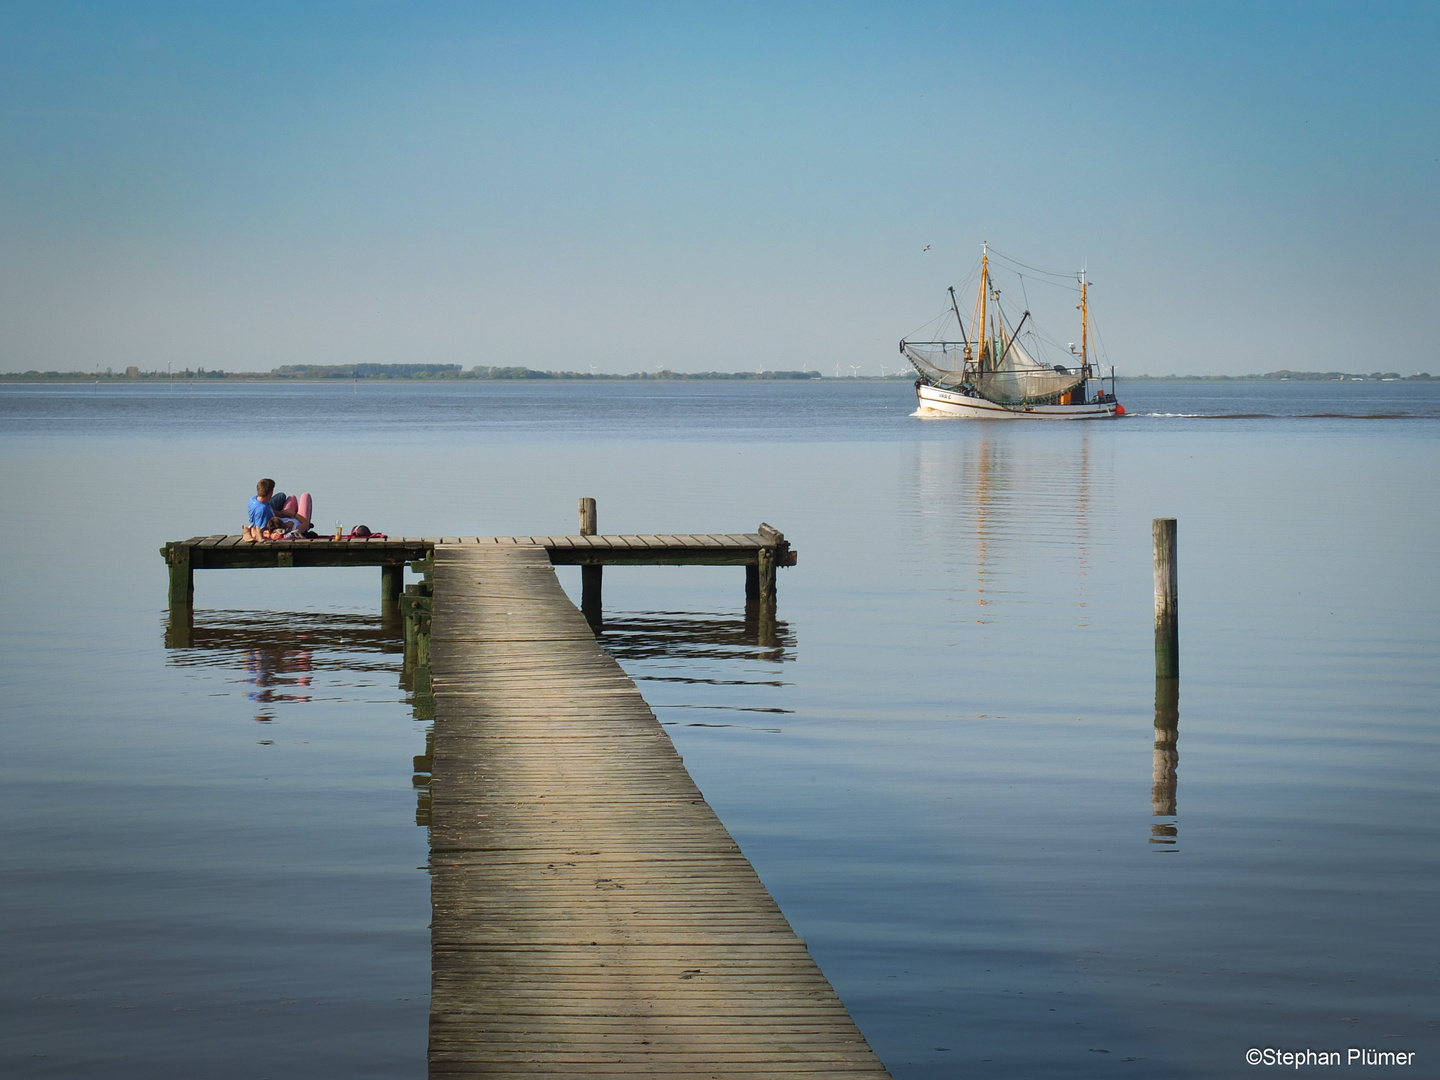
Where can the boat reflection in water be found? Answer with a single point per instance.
(1008, 510)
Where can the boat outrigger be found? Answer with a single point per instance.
(992, 376)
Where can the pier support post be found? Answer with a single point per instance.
(392, 583)
(774, 553)
(182, 576)
(416, 606)
(591, 606)
(1167, 608)
(591, 577)
(765, 574)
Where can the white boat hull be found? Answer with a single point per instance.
(937, 402)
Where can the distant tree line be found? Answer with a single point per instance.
(444, 372)
(393, 371)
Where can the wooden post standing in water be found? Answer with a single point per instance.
(182, 576)
(392, 583)
(591, 577)
(752, 582)
(1167, 605)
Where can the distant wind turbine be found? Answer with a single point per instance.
(854, 370)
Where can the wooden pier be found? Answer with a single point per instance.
(761, 553)
(591, 915)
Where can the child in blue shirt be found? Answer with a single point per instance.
(261, 514)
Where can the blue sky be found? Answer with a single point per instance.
(711, 186)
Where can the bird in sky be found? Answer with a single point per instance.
(926, 247)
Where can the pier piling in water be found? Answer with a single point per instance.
(392, 583)
(592, 578)
(1167, 606)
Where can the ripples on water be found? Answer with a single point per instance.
(1010, 851)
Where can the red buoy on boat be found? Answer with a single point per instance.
(1119, 409)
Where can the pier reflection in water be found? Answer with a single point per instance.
(277, 655)
(694, 635)
(279, 652)
(687, 653)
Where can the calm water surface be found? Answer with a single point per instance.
(943, 767)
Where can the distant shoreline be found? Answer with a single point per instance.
(454, 373)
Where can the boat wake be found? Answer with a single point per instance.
(1290, 416)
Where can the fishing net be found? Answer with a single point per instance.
(1018, 380)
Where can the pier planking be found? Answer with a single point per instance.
(591, 915)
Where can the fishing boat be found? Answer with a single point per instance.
(989, 374)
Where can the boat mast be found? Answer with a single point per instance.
(1084, 327)
(980, 299)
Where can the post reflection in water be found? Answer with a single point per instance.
(1166, 761)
